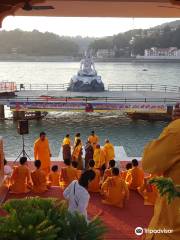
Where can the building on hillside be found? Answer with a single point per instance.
(167, 52)
(105, 53)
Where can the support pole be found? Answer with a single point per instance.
(2, 113)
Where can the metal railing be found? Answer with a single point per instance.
(143, 87)
(41, 87)
(81, 100)
(110, 87)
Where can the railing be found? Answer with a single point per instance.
(42, 87)
(143, 87)
(113, 100)
(110, 87)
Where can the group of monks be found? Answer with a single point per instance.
(160, 158)
(112, 184)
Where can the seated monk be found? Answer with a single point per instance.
(68, 174)
(100, 158)
(21, 179)
(108, 171)
(75, 166)
(124, 173)
(38, 176)
(94, 185)
(54, 176)
(148, 191)
(115, 190)
(135, 176)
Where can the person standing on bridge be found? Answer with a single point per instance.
(42, 152)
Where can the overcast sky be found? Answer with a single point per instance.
(92, 27)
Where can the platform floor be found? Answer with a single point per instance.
(120, 223)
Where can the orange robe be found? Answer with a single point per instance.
(107, 173)
(66, 141)
(162, 157)
(42, 153)
(124, 174)
(135, 178)
(20, 179)
(54, 178)
(68, 174)
(39, 181)
(148, 192)
(115, 191)
(99, 157)
(109, 151)
(94, 186)
(94, 140)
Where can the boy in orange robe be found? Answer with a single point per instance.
(99, 158)
(68, 174)
(42, 152)
(38, 176)
(115, 190)
(75, 166)
(109, 150)
(148, 191)
(135, 176)
(93, 139)
(21, 179)
(108, 172)
(54, 176)
(94, 185)
(124, 173)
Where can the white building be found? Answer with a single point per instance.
(166, 52)
(105, 53)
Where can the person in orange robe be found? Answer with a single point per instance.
(42, 152)
(68, 174)
(100, 158)
(77, 153)
(124, 173)
(75, 166)
(94, 185)
(148, 191)
(38, 176)
(21, 179)
(135, 176)
(115, 190)
(108, 171)
(77, 136)
(109, 150)
(54, 176)
(93, 139)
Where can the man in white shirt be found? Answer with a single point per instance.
(77, 195)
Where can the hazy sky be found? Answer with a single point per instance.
(92, 27)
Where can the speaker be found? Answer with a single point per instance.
(23, 127)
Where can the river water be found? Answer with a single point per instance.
(133, 135)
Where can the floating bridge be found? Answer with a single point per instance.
(116, 97)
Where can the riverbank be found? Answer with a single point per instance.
(26, 58)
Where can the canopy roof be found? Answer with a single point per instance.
(94, 8)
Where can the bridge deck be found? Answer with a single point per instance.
(108, 94)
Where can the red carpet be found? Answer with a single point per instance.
(120, 223)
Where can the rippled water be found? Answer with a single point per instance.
(133, 135)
